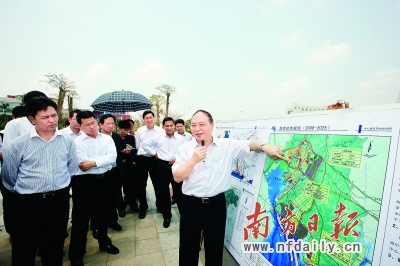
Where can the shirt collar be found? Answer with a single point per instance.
(72, 132)
(86, 136)
(34, 133)
(194, 144)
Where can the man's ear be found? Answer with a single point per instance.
(31, 119)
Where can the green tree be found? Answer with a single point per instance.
(64, 85)
(187, 125)
(157, 100)
(4, 106)
(168, 90)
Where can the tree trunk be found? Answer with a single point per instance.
(70, 103)
(167, 106)
(60, 102)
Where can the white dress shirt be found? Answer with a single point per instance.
(100, 149)
(144, 133)
(67, 131)
(212, 175)
(187, 136)
(14, 129)
(166, 147)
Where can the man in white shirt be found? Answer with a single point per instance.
(90, 187)
(19, 126)
(74, 129)
(146, 163)
(204, 164)
(14, 128)
(177, 192)
(164, 147)
(180, 128)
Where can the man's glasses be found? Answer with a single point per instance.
(201, 125)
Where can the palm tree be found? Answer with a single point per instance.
(157, 100)
(168, 90)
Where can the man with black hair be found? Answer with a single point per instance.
(177, 192)
(38, 169)
(107, 125)
(164, 147)
(18, 112)
(180, 128)
(90, 187)
(146, 163)
(13, 130)
(20, 126)
(74, 129)
(127, 153)
(203, 165)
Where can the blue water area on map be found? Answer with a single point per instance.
(239, 176)
(275, 187)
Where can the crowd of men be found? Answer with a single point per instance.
(106, 172)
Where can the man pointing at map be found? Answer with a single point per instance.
(204, 164)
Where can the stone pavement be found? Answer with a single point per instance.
(141, 242)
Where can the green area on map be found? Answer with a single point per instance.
(324, 171)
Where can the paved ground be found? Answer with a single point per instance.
(141, 242)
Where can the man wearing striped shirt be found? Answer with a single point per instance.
(90, 187)
(37, 168)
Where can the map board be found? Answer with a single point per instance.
(341, 186)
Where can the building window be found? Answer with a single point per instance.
(302, 109)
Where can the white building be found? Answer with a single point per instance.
(12, 103)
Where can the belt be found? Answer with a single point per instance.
(49, 194)
(99, 175)
(205, 199)
(163, 161)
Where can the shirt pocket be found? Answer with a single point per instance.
(217, 167)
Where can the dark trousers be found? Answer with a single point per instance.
(115, 196)
(177, 192)
(90, 197)
(129, 184)
(40, 222)
(163, 178)
(146, 166)
(8, 208)
(207, 217)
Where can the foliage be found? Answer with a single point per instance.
(5, 119)
(157, 100)
(187, 125)
(4, 106)
(61, 122)
(168, 90)
(71, 95)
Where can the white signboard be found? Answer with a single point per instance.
(337, 202)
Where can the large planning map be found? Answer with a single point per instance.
(339, 188)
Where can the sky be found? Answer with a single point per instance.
(235, 59)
